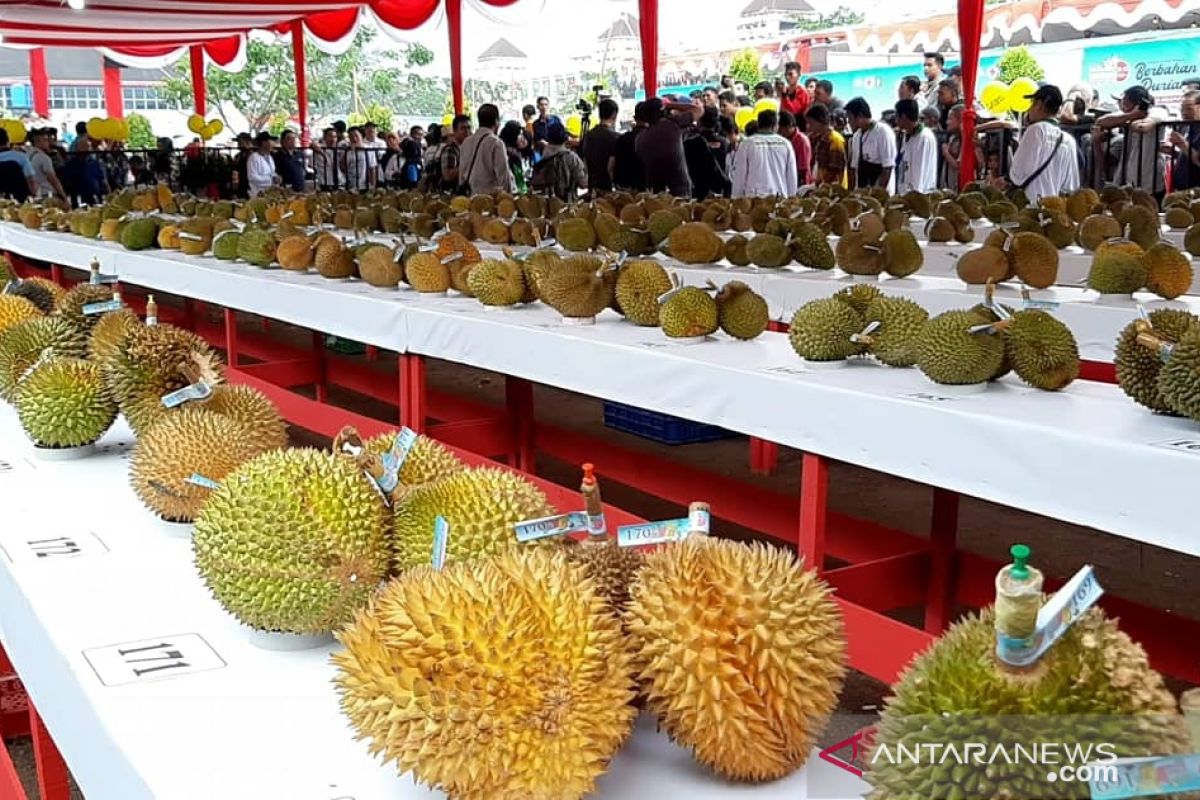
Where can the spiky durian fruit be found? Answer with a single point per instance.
(191, 442)
(948, 352)
(612, 567)
(36, 293)
(64, 403)
(1094, 686)
(810, 247)
(14, 310)
(579, 287)
(428, 460)
(1139, 363)
(740, 652)
(153, 361)
(261, 421)
(293, 541)
(427, 274)
(56, 291)
(859, 296)
(109, 334)
(696, 243)
(22, 345)
(497, 282)
(481, 505)
(640, 282)
(1179, 379)
(1034, 259)
(1041, 349)
(743, 313)
(1168, 271)
(1117, 269)
(502, 679)
(70, 307)
(894, 339)
(689, 312)
(902, 253)
(824, 330)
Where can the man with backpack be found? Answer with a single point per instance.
(442, 174)
(561, 172)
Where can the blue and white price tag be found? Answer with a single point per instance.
(558, 525)
(195, 391)
(671, 530)
(441, 537)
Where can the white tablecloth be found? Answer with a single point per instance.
(237, 723)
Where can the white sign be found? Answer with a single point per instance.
(47, 547)
(929, 397)
(1181, 444)
(163, 657)
(790, 369)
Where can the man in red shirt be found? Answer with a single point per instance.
(788, 130)
(795, 98)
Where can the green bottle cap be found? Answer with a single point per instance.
(1020, 554)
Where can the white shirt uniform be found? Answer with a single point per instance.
(357, 162)
(260, 173)
(764, 165)
(1141, 164)
(917, 170)
(1035, 147)
(328, 168)
(878, 146)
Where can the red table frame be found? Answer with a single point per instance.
(876, 570)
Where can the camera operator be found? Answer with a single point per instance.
(660, 146)
(598, 144)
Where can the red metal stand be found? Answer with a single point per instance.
(53, 782)
(519, 395)
(943, 535)
(814, 493)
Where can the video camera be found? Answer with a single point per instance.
(585, 109)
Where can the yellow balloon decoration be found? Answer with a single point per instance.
(216, 125)
(1017, 94)
(995, 97)
(95, 128)
(744, 115)
(15, 130)
(766, 104)
(113, 129)
(447, 120)
(574, 125)
(195, 123)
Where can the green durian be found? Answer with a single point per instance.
(742, 313)
(894, 339)
(640, 282)
(64, 402)
(825, 330)
(497, 282)
(1139, 358)
(948, 352)
(23, 344)
(689, 312)
(1041, 349)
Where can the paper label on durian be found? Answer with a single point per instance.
(1054, 618)
(191, 237)
(195, 391)
(670, 530)
(393, 460)
(12, 285)
(544, 527)
(1042, 305)
(103, 308)
(441, 537)
(450, 259)
(1145, 777)
(196, 479)
(667, 295)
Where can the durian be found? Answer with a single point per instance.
(64, 402)
(295, 253)
(740, 652)
(689, 312)
(579, 287)
(742, 313)
(293, 541)
(427, 274)
(640, 282)
(766, 250)
(613, 568)
(1096, 229)
(109, 334)
(859, 296)
(23, 344)
(497, 282)
(858, 254)
(427, 461)
(1034, 259)
(504, 679)
(696, 243)
(1179, 378)
(36, 293)
(1168, 271)
(894, 339)
(825, 330)
(575, 234)
(70, 307)
(14, 310)
(982, 265)
(1139, 357)
(949, 353)
(902, 254)
(1116, 270)
(811, 248)
(263, 426)
(1041, 349)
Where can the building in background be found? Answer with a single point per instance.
(768, 20)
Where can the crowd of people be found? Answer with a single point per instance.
(689, 146)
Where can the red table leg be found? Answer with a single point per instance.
(10, 782)
(318, 350)
(56, 273)
(519, 394)
(943, 533)
(231, 338)
(53, 783)
(189, 314)
(372, 352)
(764, 456)
(814, 493)
(412, 391)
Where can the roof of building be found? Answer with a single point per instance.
(502, 48)
(66, 64)
(766, 6)
(626, 26)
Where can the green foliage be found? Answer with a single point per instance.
(380, 115)
(1018, 62)
(744, 67)
(362, 77)
(141, 136)
(842, 17)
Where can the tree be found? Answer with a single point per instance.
(380, 115)
(265, 88)
(744, 67)
(1018, 62)
(141, 136)
(842, 17)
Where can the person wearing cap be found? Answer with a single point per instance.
(1046, 162)
(872, 148)
(916, 170)
(764, 165)
(1139, 164)
(260, 166)
(624, 165)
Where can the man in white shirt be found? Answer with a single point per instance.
(917, 168)
(260, 166)
(359, 163)
(327, 162)
(44, 176)
(371, 139)
(764, 165)
(1045, 164)
(872, 156)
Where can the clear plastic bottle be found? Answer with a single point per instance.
(593, 506)
(1018, 600)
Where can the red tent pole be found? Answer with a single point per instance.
(114, 99)
(40, 80)
(648, 28)
(454, 23)
(970, 30)
(301, 78)
(199, 91)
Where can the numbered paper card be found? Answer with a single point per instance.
(50, 548)
(164, 657)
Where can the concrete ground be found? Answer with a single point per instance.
(1148, 575)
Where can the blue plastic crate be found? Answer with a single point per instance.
(660, 427)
